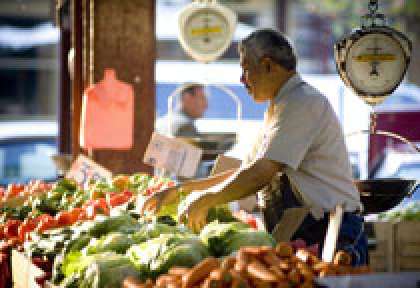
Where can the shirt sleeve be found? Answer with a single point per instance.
(296, 124)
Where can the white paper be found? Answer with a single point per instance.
(173, 155)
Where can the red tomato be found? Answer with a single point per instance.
(1, 231)
(10, 230)
(46, 222)
(118, 200)
(26, 227)
(170, 184)
(64, 218)
(14, 189)
(75, 214)
(251, 221)
(128, 193)
(101, 206)
(82, 216)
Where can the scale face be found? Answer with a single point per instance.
(206, 30)
(373, 62)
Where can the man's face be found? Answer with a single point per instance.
(195, 104)
(253, 78)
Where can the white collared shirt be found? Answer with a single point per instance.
(303, 132)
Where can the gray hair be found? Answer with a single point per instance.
(272, 44)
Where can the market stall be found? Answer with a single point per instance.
(87, 229)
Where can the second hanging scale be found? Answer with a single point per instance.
(373, 61)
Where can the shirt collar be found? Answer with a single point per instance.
(290, 84)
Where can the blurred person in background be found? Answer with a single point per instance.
(192, 106)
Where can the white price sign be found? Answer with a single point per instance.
(173, 155)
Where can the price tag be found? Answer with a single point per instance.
(84, 169)
(173, 155)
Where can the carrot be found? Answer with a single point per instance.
(199, 272)
(260, 284)
(173, 284)
(307, 275)
(271, 259)
(283, 284)
(163, 280)
(228, 263)
(178, 271)
(278, 272)
(221, 275)
(342, 258)
(149, 283)
(211, 283)
(241, 261)
(256, 250)
(257, 270)
(284, 265)
(306, 284)
(131, 282)
(238, 281)
(284, 249)
(294, 276)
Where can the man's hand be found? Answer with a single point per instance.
(195, 210)
(154, 202)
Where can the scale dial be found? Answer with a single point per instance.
(206, 30)
(373, 62)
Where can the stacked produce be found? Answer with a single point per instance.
(65, 203)
(95, 237)
(411, 212)
(261, 266)
(38, 207)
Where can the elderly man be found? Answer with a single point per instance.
(192, 105)
(300, 160)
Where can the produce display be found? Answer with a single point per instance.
(251, 266)
(94, 237)
(411, 212)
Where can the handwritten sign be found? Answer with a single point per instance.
(84, 169)
(173, 155)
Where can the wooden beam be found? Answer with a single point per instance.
(124, 39)
(65, 82)
(77, 84)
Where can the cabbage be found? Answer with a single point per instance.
(116, 241)
(224, 238)
(157, 255)
(104, 225)
(97, 271)
(155, 229)
(108, 272)
(221, 214)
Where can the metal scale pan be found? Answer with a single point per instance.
(380, 195)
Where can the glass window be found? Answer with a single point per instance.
(23, 160)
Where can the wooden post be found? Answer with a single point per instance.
(65, 98)
(77, 84)
(123, 38)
